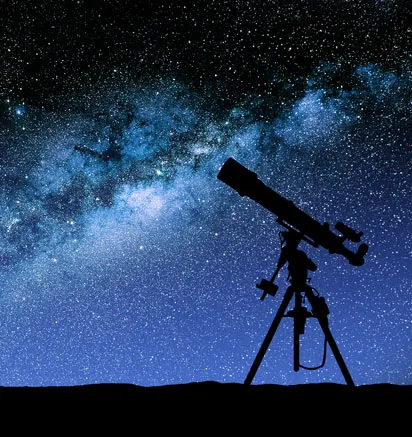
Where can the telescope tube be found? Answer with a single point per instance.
(246, 183)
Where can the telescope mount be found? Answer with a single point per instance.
(298, 265)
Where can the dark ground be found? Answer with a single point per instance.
(209, 408)
(213, 391)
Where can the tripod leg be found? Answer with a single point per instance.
(269, 335)
(324, 323)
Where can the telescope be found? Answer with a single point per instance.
(246, 183)
(300, 226)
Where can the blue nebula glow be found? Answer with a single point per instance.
(314, 121)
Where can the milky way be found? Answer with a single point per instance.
(124, 259)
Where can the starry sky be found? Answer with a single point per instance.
(124, 259)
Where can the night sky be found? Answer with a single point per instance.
(124, 259)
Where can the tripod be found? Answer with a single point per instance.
(298, 265)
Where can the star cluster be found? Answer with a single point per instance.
(124, 259)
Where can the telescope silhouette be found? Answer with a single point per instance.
(246, 183)
(300, 226)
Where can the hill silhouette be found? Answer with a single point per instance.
(235, 393)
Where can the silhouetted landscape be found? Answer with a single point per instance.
(218, 393)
